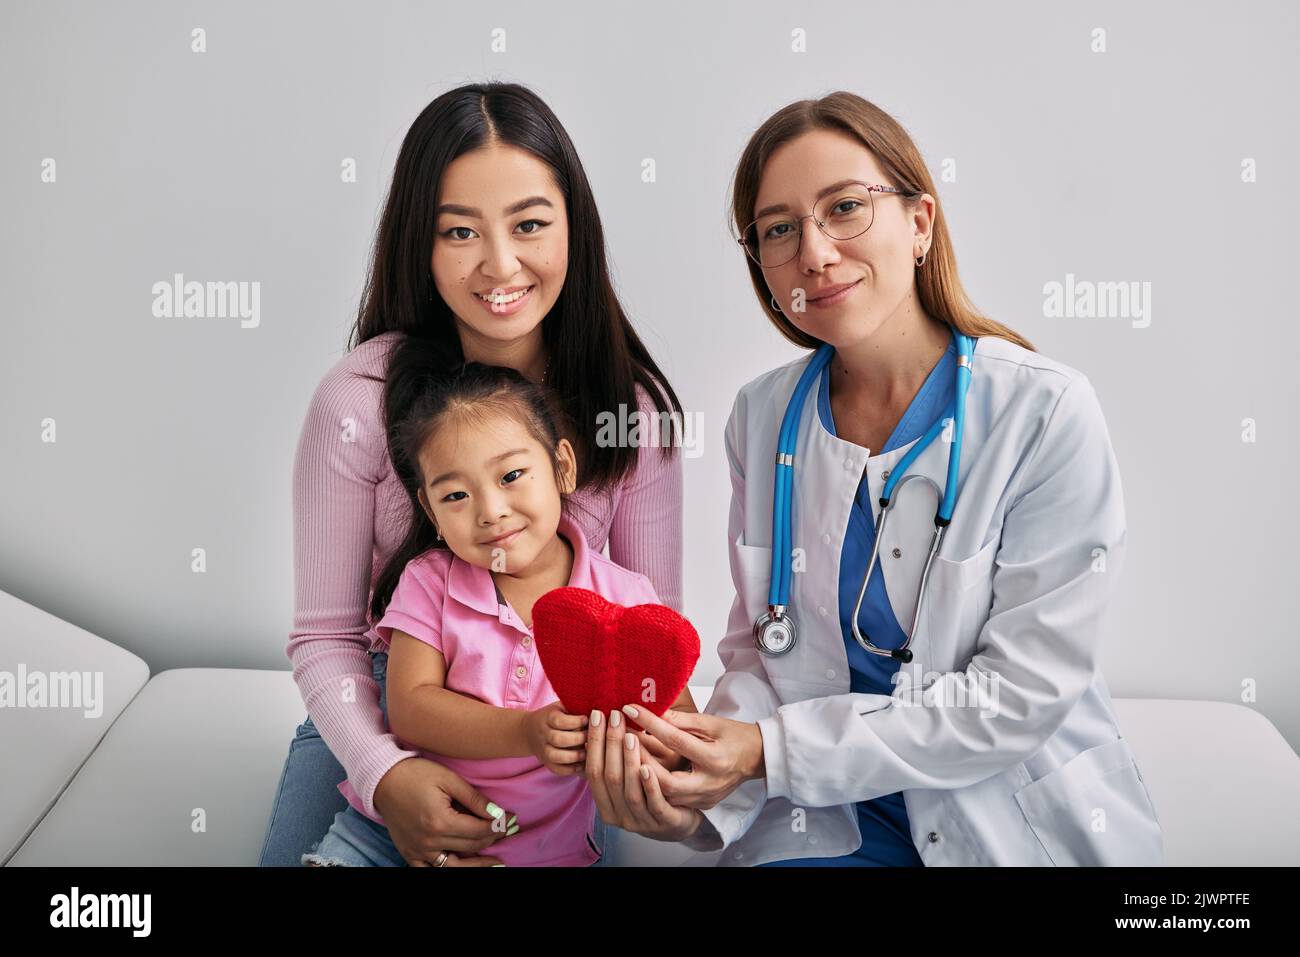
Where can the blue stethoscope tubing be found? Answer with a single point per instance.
(774, 631)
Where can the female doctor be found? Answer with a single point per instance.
(988, 735)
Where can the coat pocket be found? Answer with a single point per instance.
(957, 602)
(751, 573)
(968, 571)
(1094, 811)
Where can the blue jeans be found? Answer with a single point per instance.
(309, 812)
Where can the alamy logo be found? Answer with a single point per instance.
(1098, 300)
(53, 689)
(102, 910)
(179, 299)
(653, 429)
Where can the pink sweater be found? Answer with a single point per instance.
(350, 513)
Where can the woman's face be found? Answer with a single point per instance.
(877, 266)
(501, 247)
(488, 477)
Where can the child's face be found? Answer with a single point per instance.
(490, 478)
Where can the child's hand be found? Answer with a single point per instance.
(557, 739)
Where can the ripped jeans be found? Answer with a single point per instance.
(353, 840)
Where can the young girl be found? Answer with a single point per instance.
(481, 457)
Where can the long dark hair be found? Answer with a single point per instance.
(431, 399)
(596, 358)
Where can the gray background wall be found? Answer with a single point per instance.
(1116, 166)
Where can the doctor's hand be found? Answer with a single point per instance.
(624, 780)
(722, 754)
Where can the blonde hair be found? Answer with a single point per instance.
(938, 286)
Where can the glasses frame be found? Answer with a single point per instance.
(870, 188)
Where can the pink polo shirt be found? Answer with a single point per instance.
(491, 656)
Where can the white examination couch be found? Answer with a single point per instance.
(121, 788)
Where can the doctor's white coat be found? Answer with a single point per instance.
(1000, 733)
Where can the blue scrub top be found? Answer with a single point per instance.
(886, 836)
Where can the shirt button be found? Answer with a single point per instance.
(826, 539)
(830, 672)
(848, 464)
(821, 609)
(885, 474)
(898, 553)
(527, 641)
(933, 837)
(521, 672)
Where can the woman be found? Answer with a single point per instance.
(831, 753)
(490, 248)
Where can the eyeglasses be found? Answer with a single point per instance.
(847, 213)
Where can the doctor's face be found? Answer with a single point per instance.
(501, 246)
(850, 287)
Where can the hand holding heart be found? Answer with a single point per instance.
(556, 738)
(635, 792)
(598, 657)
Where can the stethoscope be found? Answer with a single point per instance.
(774, 631)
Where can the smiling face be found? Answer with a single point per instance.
(851, 287)
(491, 489)
(501, 247)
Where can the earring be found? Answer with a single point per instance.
(920, 261)
(776, 306)
(437, 533)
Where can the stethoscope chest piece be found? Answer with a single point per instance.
(774, 631)
(775, 635)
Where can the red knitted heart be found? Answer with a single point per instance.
(599, 655)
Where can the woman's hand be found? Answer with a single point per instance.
(666, 756)
(416, 799)
(668, 759)
(723, 754)
(624, 781)
(557, 738)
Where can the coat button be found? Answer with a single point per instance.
(521, 671)
(885, 474)
(898, 553)
(933, 837)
